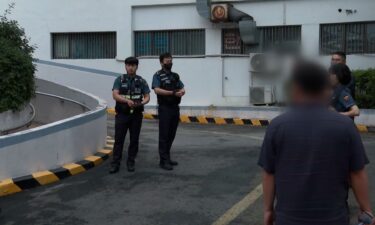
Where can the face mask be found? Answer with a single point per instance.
(168, 66)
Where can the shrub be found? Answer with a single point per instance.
(16, 65)
(365, 88)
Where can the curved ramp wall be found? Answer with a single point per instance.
(75, 128)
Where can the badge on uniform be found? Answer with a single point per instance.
(346, 98)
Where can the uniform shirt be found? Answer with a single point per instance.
(351, 87)
(156, 82)
(311, 152)
(342, 100)
(144, 86)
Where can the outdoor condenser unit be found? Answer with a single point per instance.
(262, 95)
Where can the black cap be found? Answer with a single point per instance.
(131, 61)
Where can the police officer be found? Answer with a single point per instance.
(340, 58)
(169, 89)
(131, 93)
(342, 100)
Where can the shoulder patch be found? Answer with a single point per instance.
(346, 98)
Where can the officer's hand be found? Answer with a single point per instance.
(130, 103)
(180, 93)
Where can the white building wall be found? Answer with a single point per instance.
(209, 80)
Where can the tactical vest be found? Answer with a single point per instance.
(131, 88)
(169, 82)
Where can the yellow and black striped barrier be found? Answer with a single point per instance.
(14, 185)
(235, 121)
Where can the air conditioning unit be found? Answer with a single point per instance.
(262, 95)
(261, 62)
(219, 13)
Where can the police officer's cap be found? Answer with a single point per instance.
(131, 61)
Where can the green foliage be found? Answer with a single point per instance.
(16, 65)
(365, 88)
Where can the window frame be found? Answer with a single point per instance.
(170, 33)
(261, 30)
(70, 38)
(345, 45)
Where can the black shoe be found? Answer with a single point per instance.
(131, 166)
(114, 169)
(173, 163)
(166, 166)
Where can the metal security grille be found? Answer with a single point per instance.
(278, 37)
(177, 42)
(347, 37)
(84, 45)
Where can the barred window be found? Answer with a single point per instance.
(177, 42)
(100, 45)
(269, 38)
(347, 37)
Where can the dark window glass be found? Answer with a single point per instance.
(279, 37)
(178, 42)
(347, 37)
(84, 45)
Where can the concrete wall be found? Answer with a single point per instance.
(204, 76)
(10, 120)
(57, 143)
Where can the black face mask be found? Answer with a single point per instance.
(168, 66)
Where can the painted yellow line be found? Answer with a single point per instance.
(256, 122)
(219, 120)
(148, 116)
(238, 121)
(105, 151)
(184, 119)
(239, 207)
(111, 111)
(95, 159)
(45, 177)
(74, 168)
(202, 119)
(362, 128)
(8, 187)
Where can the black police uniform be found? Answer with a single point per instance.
(168, 111)
(342, 99)
(127, 118)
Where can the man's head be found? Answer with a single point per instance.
(338, 57)
(131, 65)
(310, 83)
(340, 74)
(166, 61)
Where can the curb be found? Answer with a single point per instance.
(14, 185)
(235, 121)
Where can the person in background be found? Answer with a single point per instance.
(340, 58)
(342, 100)
(307, 156)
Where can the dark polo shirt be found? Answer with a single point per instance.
(311, 151)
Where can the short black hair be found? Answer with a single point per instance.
(342, 72)
(311, 77)
(164, 56)
(131, 61)
(341, 54)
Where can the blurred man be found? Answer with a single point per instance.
(131, 93)
(307, 156)
(340, 58)
(169, 89)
